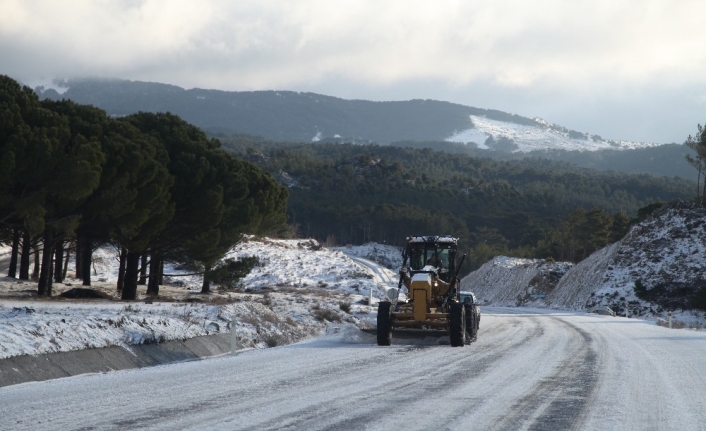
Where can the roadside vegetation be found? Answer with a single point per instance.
(72, 178)
(533, 208)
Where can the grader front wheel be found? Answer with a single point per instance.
(384, 329)
(457, 324)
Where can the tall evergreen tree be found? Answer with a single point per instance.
(45, 173)
(698, 160)
(131, 202)
(216, 198)
(619, 227)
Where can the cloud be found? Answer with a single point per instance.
(596, 51)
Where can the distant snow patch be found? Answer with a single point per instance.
(532, 138)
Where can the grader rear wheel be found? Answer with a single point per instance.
(471, 323)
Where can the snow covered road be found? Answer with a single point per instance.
(383, 277)
(528, 370)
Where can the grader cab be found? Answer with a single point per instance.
(434, 305)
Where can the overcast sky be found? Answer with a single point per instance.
(623, 69)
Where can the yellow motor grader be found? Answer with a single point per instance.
(434, 304)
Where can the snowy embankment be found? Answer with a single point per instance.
(579, 283)
(662, 255)
(386, 255)
(297, 289)
(44, 327)
(507, 281)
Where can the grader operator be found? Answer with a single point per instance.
(429, 274)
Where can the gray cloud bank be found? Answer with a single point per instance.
(630, 69)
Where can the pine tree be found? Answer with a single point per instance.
(698, 160)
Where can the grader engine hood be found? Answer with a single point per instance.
(420, 294)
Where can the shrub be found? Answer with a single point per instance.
(325, 314)
(640, 289)
(699, 300)
(275, 340)
(231, 271)
(345, 306)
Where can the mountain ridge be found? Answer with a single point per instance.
(290, 116)
(299, 116)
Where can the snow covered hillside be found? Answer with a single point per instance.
(299, 288)
(296, 291)
(386, 255)
(656, 268)
(508, 281)
(661, 257)
(543, 136)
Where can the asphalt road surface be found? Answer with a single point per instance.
(527, 371)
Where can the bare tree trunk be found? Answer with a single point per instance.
(78, 259)
(121, 269)
(24, 257)
(698, 187)
(58, 259)
(86, 256)
(45, 278)
(143, 269)
(12, 271)
(153, 279)
(131, 273)
(66, 262)
(206, 286)
(160, 274)
(35, 271)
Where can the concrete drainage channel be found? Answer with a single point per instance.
(31, 368)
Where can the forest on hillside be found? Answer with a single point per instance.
(663, 160)
(344, 193)
(286, 116)
(152, 185)
(542, 204)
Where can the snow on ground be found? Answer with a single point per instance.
(58, 326)
(509, 281)
(531, 138)
(388, 256)
(575, 289)
(299, 288)
(664, 254)
(526, 371)
(297, 291)
(302, 263)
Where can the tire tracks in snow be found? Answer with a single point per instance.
(416, 376)
(382, 278)
(558, 402)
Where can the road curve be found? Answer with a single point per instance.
(530, 371)
(384, 277)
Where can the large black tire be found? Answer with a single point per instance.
(471, 323)
(384, 329)
(457, 324)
